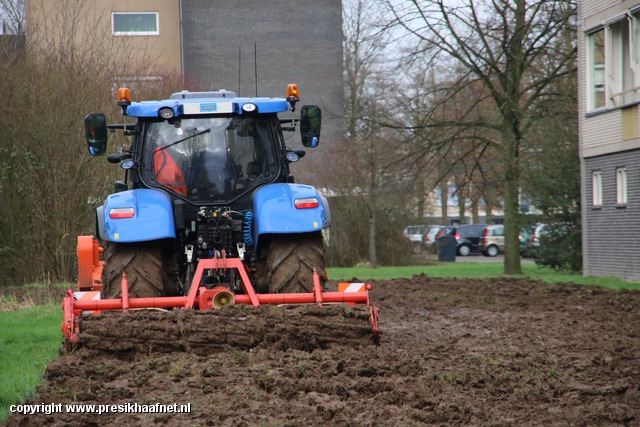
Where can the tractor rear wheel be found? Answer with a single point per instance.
(291, 260)
(144, 264)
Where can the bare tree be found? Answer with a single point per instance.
(12, 17)
(366, 167)
(49, 185)
(512, 49)
(445, 143)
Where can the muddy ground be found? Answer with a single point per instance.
(452, 352)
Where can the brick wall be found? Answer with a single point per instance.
(612, 243)
(297, 41)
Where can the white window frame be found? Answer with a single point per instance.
(621, 186)
(596, 77)
(596, 190)
(621, 61)
(614, 64)
(134, 33)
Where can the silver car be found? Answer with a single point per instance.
(414, 234)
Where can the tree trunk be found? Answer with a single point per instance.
(444, 200)
(488, 211)
(373, 258)
(462, 198)
(420, 195)
(511, 203)
(475, 211)
(511, 135)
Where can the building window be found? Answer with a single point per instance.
(135, 24)
(613, 58)
(621, 70)
(596, 181)
(621, 186)
(596, 95)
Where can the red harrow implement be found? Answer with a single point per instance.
(87, 298)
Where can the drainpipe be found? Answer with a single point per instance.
(182, 72)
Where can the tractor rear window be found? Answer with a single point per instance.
(208, 160)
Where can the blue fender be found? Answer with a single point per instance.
(152, 216)
(275, 212)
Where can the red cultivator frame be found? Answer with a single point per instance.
(200, 297)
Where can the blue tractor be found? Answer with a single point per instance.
(207, 176)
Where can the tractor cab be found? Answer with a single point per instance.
(206, 147)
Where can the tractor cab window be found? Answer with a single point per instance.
(209, 160)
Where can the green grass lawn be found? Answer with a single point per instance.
(478, 270)
(29, 339)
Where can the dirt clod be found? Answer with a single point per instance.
(452, 352)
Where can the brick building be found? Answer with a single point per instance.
(247, 46)
(609, 94)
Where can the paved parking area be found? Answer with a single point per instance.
(482, 258)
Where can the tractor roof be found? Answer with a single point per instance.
(200, 103)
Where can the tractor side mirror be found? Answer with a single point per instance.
(310, 121)
(95, 126)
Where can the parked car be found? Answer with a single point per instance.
(430, 239)
(414, 234)
(532, 240)
(492, 242)
(524, 238)
(539, 231)
(468, 238)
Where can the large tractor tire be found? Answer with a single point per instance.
(144, 264)
(291, 260)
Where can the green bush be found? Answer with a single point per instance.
(560, 246)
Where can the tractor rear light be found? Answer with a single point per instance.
(120, 213)
(308, 203)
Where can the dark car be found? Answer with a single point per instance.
(468, 237)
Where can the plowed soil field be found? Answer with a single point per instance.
(452, 352)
